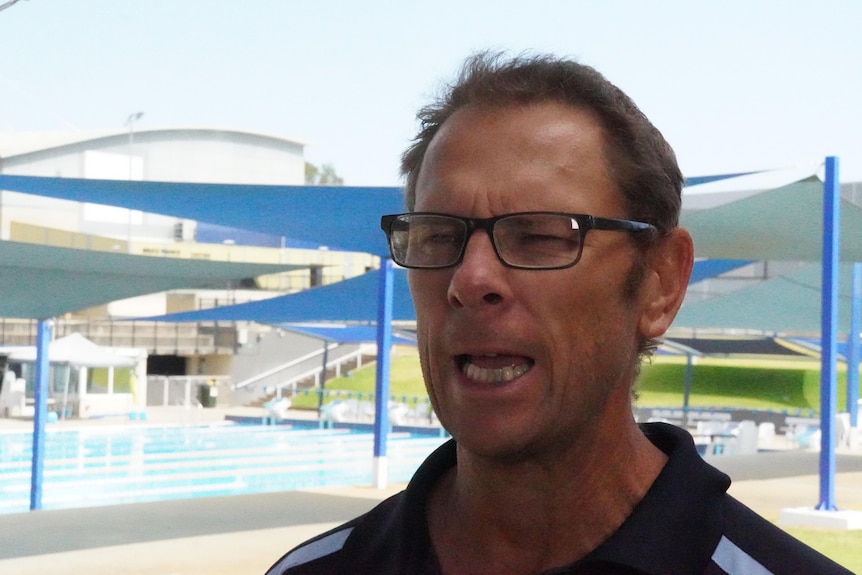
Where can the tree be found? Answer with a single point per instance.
(325, 175)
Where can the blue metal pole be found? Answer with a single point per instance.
(384, 346)
(853, 346)
(829, 328)
(686, 387)
(40, 411)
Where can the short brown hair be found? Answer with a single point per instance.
(638, 158)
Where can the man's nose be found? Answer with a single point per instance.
(478, 279)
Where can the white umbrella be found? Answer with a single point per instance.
(75, 349)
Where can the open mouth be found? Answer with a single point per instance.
(493, 368)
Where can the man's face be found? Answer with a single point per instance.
(519, 362)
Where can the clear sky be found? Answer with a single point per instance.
(734, 85)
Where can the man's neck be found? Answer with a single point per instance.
(526, 516)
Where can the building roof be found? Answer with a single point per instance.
(21, 143)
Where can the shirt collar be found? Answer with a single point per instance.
(676, 526)
(674, 529)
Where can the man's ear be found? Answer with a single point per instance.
(669, 264)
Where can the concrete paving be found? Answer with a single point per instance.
(237, 534)
(245, 534)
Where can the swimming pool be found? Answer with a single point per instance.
(128, 464)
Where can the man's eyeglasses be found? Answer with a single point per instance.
(525, 240)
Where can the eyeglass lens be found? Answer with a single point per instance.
(538, 240)
(521, 240)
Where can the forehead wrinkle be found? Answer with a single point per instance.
(443, 178)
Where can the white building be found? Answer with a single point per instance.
(200, 155)
(171, 155)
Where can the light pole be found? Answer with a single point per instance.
(130, 122)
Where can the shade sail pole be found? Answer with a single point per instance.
(829, 328)
(686, 387)
(381, 396)
(40, 411)
(853, 346)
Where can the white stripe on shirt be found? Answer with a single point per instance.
(735, 561)
(314, 550)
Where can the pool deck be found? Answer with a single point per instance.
(244, 534)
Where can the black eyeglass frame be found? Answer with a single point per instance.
(585, 223)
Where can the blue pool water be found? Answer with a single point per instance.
(129, 464)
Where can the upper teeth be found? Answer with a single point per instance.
(491, 375)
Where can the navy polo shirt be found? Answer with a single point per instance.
(686, 524)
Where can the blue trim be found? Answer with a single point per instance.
(853, 346)
(40, 412)
(705, 269)
(384, 345)
(353, 299)
(345, 333)
(344, 217)
(698, 180)
(829, 327)
(206, 233)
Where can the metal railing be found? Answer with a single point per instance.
(290, 375)
(182, 390)
(158, 338)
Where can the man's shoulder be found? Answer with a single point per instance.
(750, 542)
(387, 538)
(689, 492)
(324, 553)
(308, 556)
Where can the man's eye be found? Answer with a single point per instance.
(550, 240)
(441, 239)
(430, 239)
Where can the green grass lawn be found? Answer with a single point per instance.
(843, 547)
(405, 383)
(754, 384)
